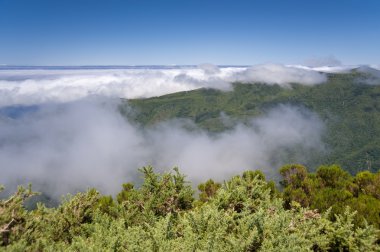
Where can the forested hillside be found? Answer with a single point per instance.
(347, 103)
(244, 213)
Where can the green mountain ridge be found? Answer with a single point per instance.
(349, 107)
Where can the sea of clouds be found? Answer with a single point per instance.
(61, 129)
(31, 86)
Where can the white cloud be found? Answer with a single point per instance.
(327, 69)
(41, 86)
(280, 74)
(72, 146)
(209, 68)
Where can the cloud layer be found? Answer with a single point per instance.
(34, 86)
(65, 147)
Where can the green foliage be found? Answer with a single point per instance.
(13, 214)
(208, 190)
(159, 195)
(368, 183)
(242, 214)
(293, 174)
(333, 176)
(332, 188)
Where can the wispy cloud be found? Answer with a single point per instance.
(280, 74)
(65, 147)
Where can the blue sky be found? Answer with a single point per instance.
(138, 32)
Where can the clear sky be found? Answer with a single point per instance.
(128, 32)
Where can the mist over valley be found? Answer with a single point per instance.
(68, 130)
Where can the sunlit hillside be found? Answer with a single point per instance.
(347, 104)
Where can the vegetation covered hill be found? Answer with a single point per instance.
(349, 107)
(245, 213)
(329, 209)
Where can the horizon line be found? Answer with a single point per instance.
(6, 66)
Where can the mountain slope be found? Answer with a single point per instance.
(349, 107)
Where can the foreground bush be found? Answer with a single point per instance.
(245, 213)
(330, 187)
